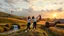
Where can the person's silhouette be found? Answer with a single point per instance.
(29, 22)
(34, 22)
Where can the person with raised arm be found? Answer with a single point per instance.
(34, 22)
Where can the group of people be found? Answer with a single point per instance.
(34, 21)
(30, 21)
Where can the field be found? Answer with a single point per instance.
(40, 31)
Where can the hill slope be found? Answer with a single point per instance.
(31, 32)
(2, 14)
(5, 18)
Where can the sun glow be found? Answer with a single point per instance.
(54, 15)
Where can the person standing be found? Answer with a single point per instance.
(34, 22)
(29, 22)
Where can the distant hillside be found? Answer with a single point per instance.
(7, 18)
(2, 14)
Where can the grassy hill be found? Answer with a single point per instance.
(40, 31)
(31, 32)
(2, 14)
(7, 18)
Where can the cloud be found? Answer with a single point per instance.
(31, 7)
(29, 12)
(30, 1)
(13, 5)
(59, 9)
(34, 4)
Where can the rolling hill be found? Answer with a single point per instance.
(7, 18)
(2, 14)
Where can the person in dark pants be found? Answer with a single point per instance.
(47, 24)
(34, 22)
(29, 23)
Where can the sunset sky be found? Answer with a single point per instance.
(47, 8)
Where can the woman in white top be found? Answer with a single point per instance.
(34, 22)
(29, 23)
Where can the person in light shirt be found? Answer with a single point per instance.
(29, 22)
(34, 22)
